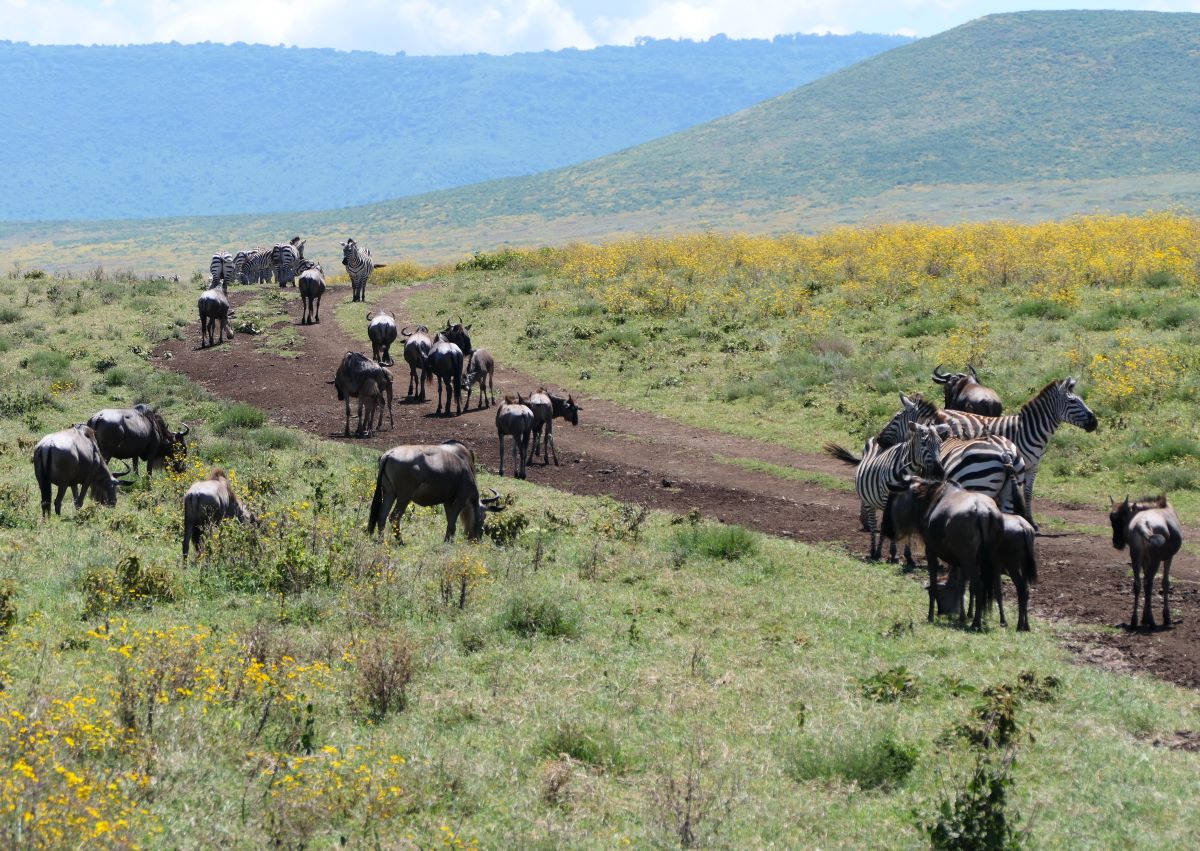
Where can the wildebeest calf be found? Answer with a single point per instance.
(1151, 529)
(515, 420)
(206, 502)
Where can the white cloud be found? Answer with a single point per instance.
(490, 26)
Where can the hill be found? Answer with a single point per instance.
(1024, 116)
(170, 129)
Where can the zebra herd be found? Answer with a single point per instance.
(284, 262)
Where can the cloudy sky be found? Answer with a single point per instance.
(422, 27)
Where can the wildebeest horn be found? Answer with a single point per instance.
(971, 370)
(332, 382)
(124, 472)
(491, 500)
(404, 332)
(369, 312)
(1111, 501)
(939, 377)
(186, 430)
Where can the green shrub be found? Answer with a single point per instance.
(8, 607)
(1170, 479)
(47, 364)
(9, 315)
(1042, 309)
(20, 403)
(130, 584)
(1167, 449)
(275, 438)
(1160, 280)
(977, 818)
(593, 745)
(118, 376)
(482, 261)
(928, 326)
(713, 541)
(239, 416)
(530, 614)
(889, 686)
(505, 528)
(1175, 316)
(873, 759)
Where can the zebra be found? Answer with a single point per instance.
(880, 470)
(284, 258)
(1031, 428)
(914, 409)
(358, 265)
(982, 464)
(220, 271)
(252, 266)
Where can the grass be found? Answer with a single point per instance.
(332, 684)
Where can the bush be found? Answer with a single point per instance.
(129, 584)
(592, 745)
(529, 614)
(9, 315)
(725, 542)
(890, 686)
(385, 669)
(977, 818)
(1160, 280)
(1169, 479)
(239, 416)
(873, 759)
(275, 438)
(1042, 309)
(47, 364)
(8, 608)
(482, 261)
(118, 376)
(1175, 316)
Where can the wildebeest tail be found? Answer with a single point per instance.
(842, 454)
(1157, 539)
(989, 579)
(375, 520)
(43, 477)
(1016, 489)
(1030, 561)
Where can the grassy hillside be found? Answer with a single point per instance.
(1024, 116)
(171, 129)
(604, 679)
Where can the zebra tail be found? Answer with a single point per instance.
(1016, 489)
(842, 454)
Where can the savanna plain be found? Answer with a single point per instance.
(590, 674)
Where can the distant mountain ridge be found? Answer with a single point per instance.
(170, 129)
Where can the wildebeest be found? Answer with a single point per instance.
(71, 458)
(458, 334)
(206, 502)
(546, 407)
(445, 361)
(352, 373)
(963, 529)
(417, 344)
(214, 308)
(1151, 529)
(965, 393)
(441, 474)
(480, 367)
(139, 433)
(312, 287)
(516, 420)
(381, 330)
(370, 400)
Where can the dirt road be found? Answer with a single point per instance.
(659, 463)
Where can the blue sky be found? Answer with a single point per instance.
(484, 26)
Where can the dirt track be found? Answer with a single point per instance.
(659, 463)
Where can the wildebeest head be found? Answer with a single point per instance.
(457, 333)
(104, 488)
(565, 408)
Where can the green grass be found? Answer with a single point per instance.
(739, 679)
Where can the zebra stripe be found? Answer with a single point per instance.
(1031, 428)
(284, 258)
(220, 271)
(914, 409)
(981, 464)
(252, 266)
(358, 265)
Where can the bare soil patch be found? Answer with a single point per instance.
(639, 458)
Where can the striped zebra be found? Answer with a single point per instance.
(358, 265)
(284, 258)
(1031, 429)
(880, 470)
(914, 409)
(982, 464)
(220, 271)
(252, 267)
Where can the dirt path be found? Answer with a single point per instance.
(654, 461)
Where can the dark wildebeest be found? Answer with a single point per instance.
(516, 420)
(214, 308)
(480, 368)
(546, 406)
(381, 330)
(312, 287)
(71, 458)
(139, 433)
(352, 373)
(370, 400)
(445, 361)
(965, 393)
(443, 474)
(1151, 529)
(417, 344)
(207, 502)
(962, 528)
(457, 333)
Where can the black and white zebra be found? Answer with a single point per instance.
(914, 409)
(284, 258)
(983, 464)
(1031, 428)
(252, 266)
(358, 265)
(220, 271)
(880, 470)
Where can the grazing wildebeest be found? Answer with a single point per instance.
(962, 528)
(480, 367)
(445, 361)
(214, 308)
(352, 373)
(1151, 529)
(381, 330)
(206, 502)
(71, 458)
(442, 474)
(965, 393)
(312, 287)
(546, 408)
(139, 433)
(516, 420)
(417, 344)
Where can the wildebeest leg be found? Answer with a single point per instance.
(346, 433)
(412, 380)
(520, 446)
(1022, 584)
(1149, 568)
(457, 397)
(318, 309)
(397, 514)
(549, 438)
(933, 572)
(439, 401)
(225, 326)
(501, 435)
(1166, 586)
(1000, 599)
(1137, 584)
(491, 389)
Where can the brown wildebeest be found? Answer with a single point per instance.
(213, 307)
(370, 399)
(516, 420)
(965, 393)
(71, 458)
(417, 344)
(1151, 529)
(442, 474)
(445, 361)
(352, 374)
(206, 502)
(312, 287)
(381, 331)
(546, 408)
(480, 367)
(139, 433)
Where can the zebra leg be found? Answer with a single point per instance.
(876, 551)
